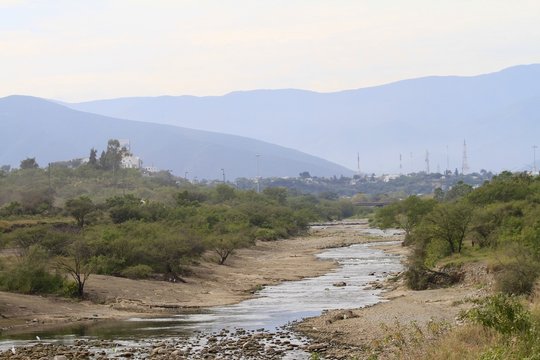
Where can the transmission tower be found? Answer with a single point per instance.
(534, 159)
(427, 162)
(400, 164)
(447, 161)
(465, 163)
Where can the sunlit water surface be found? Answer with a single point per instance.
(272, 308)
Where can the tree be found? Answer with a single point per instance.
(77, 263)
(450, 223)
(458, 191)
(405, 214)
(224, 193)
(226, 229)
(438, 194)
(125, 207)
(112, 158)
(29, 163)
(80, 208)
(227, 238)
(92, 160)
(278, 194)
(191, 198)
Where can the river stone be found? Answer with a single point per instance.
(315, 347)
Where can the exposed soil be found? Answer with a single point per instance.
(210, 285)
(385, 328)
(379, 330)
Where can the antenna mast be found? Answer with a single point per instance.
(358, 162)
(400, 164)
(427, 162)
(465, 163)
(447, 161)
(534, 159)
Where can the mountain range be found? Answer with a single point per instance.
(34, 127)
(398, 127)
(497, 114)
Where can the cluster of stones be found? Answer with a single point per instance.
(238, 344)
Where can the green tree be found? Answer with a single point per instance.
(224, 193)
(92, 160)
(79, 208)
(405, 214)
(112, 158)
(458, 191)
(278, 194)
(29, 163)
(450, 223)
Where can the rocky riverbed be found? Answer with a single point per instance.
(237, 344)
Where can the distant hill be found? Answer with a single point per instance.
(34, 127)
(496, 113)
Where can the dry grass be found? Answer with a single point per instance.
(435, 340)
(462, 342)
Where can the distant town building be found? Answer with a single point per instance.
(151, 169)
(387, 178)
(131, 162)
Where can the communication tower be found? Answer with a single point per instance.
(465, 163)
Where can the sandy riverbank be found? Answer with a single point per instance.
(210, 285)
(404, 320)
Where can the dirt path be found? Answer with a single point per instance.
(212, 284)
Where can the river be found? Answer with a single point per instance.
(273, 307)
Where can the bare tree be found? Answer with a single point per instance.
(77, 264)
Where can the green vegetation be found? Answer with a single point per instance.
(60, 225)
(497, 223)
(373, 187)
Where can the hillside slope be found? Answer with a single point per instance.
(34, 127)
(406, 117)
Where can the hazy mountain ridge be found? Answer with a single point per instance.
(51, 132)
(407, 117)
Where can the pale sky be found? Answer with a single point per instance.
(78, 50)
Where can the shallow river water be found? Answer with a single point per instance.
(271, 309)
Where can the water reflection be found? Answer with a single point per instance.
(272, 307)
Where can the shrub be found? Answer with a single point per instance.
(70, 289)
(417, 277)
(517, 278)
(108, 265)
(31, 275)
(28, 280)
(266, 234)
(503, 313)
(140, 271)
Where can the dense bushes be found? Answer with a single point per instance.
(31, 274)
(157, 227)
(502, 216)
(518, 327)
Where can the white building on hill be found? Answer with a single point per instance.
(131, 162)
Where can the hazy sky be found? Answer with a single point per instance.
(81, 50)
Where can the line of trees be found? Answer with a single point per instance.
(501, 217)
(131, 236)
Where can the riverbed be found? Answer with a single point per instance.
(265, 317)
